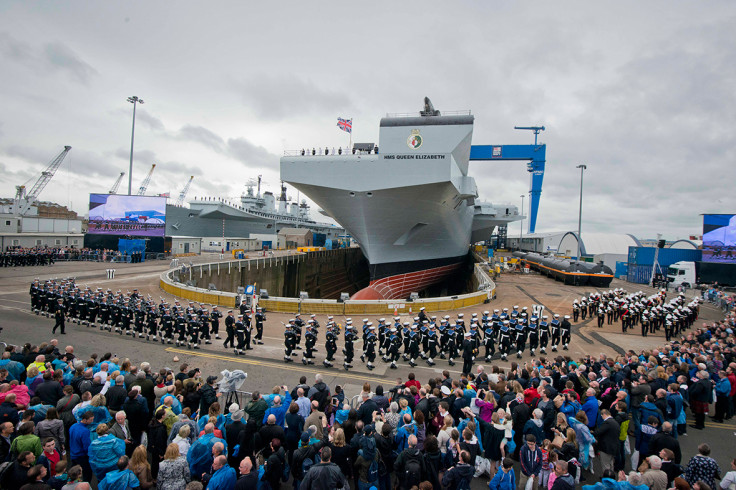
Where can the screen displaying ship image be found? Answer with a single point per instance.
(719, 238)
(112, 214)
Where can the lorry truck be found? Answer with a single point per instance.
(688, 274)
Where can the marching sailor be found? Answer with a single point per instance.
(565, 329)
(554, 330)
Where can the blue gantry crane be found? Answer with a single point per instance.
(534, 155)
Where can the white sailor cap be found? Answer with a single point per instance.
(422, 308)
(495, 311)
(433, 317)
(545, 317)
(310, 322)
(557, 315)
(524, 308)
(467, 334)
(460, 315)
(348, 319)
(349, 327)
(381, 320)
(575, 301)
(313, 315)
(329, 317)
(474, 315)
(369, 324)
(392, 329)
(446, 317)
(567, 317)
(416, 318)
(406, 324)
(397, 318)
(298, 314)
(505, 322)
(371, 328)
(413, 327)
(505, 309)
(424, 322)
(516, 307)
(365, 320)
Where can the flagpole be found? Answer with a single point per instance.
(350, 148)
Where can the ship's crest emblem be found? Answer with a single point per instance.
(415, 140)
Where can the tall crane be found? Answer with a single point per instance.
(184, 191)
(23, 199)
(146, 181)
(114, 188)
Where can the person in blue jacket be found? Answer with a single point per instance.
(224, 477)
(590, 407)
(505, 478)
(120, 479)
(79, 442)
(104, 452)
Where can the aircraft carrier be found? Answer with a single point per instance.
(410, 206)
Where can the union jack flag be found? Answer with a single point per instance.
(345, 124)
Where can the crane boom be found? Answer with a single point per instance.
(144, 185)
(114, 188)
(23, 200)
(184, 191)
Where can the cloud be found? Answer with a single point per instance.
(279, 97)
(63, 58)
(11, 48)
(147, 119)
(203, 136)
(250, 155)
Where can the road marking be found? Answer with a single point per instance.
(275, 365)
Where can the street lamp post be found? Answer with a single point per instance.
(133, 100)
(580, 212)
(521, 224)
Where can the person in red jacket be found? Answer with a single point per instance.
(731, 373)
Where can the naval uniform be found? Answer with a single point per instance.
(260, 318)
(229, 330)
(565, 328)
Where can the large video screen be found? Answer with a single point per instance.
(112, 214)
(719, 238)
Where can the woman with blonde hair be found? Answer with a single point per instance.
(173, 471)
(444, 435)
(182, 439)
(140, 466)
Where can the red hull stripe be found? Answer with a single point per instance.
(399, 286)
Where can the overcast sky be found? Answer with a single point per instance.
(644, 93)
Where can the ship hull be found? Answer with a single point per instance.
(399, 280)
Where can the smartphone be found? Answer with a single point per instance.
(335, 402)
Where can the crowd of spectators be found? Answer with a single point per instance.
(552, 423)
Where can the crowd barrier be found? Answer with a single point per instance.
(332, 306)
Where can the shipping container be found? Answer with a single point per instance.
(667, 256)
(621, 270)
(318, 239)
(639, 274)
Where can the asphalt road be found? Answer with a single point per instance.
(265, 367)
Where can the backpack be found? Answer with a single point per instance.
(5, 470)
(286, 470)
(372, 475)
(413, 470)
(308, 463)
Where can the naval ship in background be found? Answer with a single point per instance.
(255, 214)
(411, 207)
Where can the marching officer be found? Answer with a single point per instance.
(330, 345)
(349, 350)
(260, 319)
(310, 339)
(289, 341)
(488, 340)
(215, 321)
(468, 353)
(533, 329)
(554, 330)
(394, 346)
(543, 334)
(239, 330)
(565, 329)
(229, 329)
(59, 317)
(370, 351)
